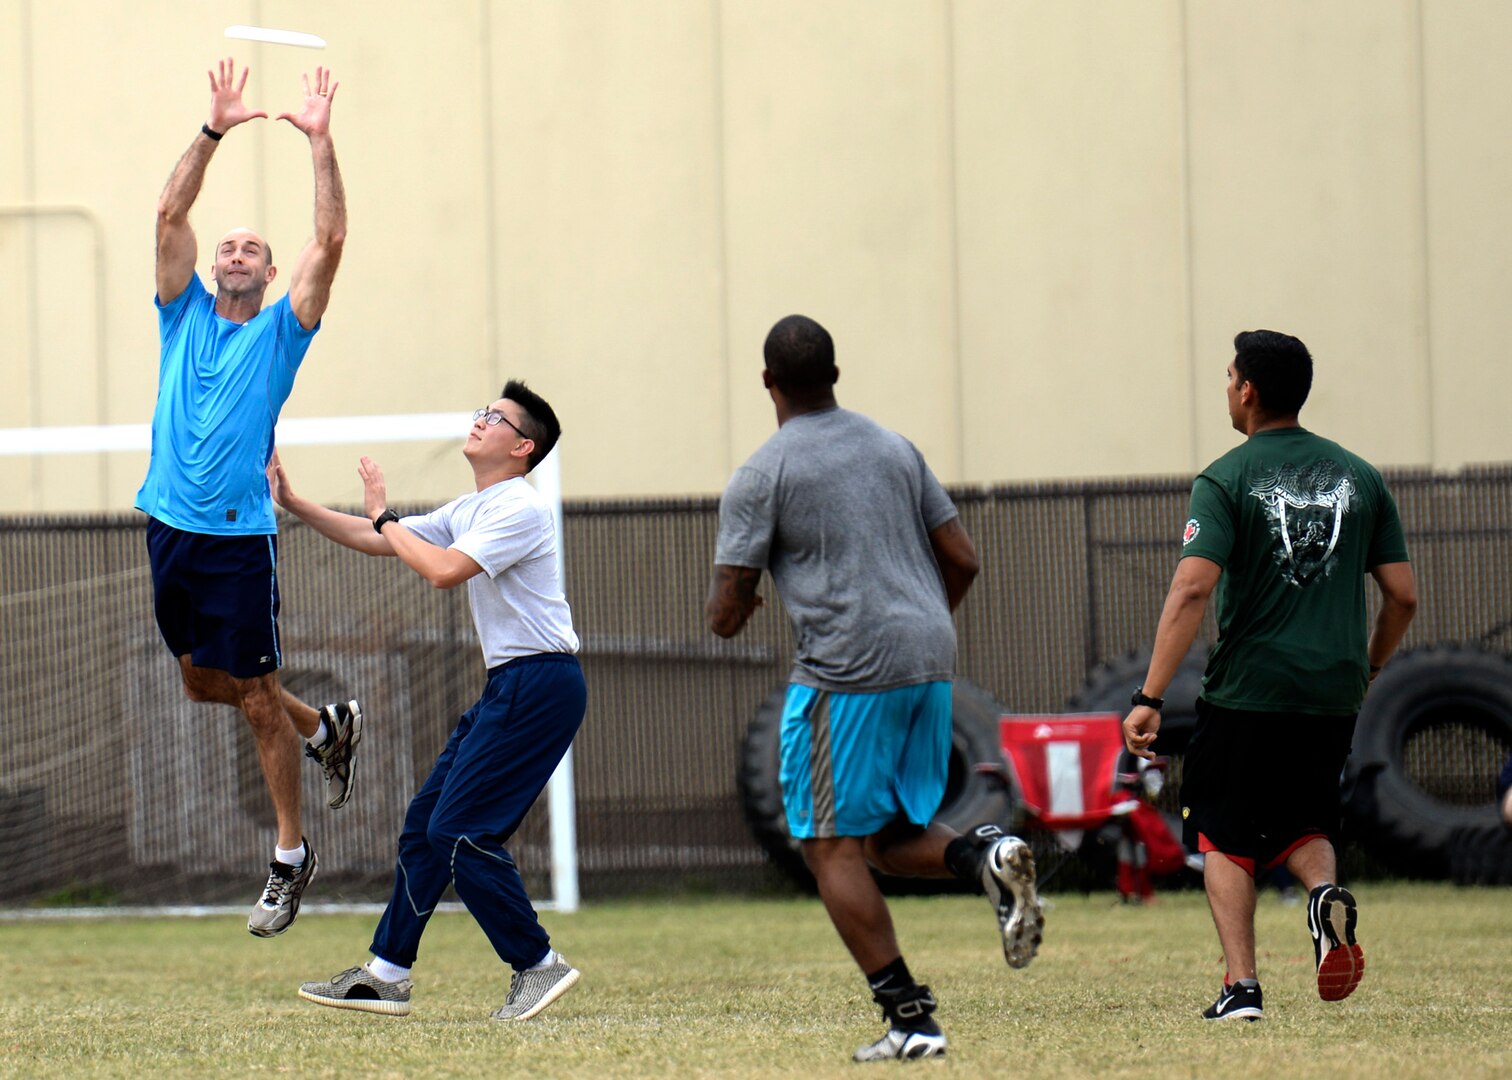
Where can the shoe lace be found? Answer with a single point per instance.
(278, 887)
(326, 756)
(516, 984)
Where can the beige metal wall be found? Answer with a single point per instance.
(1033, 226)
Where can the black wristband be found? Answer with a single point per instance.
(209, 133)
(1141, 698)
(383, 519)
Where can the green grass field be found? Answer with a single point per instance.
(736, 988)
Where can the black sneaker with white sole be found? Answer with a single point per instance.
(343, 733)
(1242, 1001)
(276, 911)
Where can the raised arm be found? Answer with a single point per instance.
(310, 285)
(176, 250)
(348, 530)
(445, 568)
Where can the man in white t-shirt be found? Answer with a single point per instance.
(501, 541)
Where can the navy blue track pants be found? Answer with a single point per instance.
(497, 761)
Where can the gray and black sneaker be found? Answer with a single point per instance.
(358, 988)
(279, 906)
(1008, 877)
(533, 989)
(343, 733)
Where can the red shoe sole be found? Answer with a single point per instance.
(1341, 971)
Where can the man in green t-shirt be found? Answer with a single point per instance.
(1285, 527)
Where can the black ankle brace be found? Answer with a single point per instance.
(964, 854)
(909, 1008)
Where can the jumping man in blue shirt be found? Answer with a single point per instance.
(227, 366)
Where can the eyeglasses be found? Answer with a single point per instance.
(491, 417)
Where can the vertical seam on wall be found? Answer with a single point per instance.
(962, 473)
(1425, 237)
(721, 238)
(1194, 449)
(490, 213)
(29, 194)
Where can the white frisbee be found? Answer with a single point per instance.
(275, 37)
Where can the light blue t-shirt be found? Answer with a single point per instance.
(221, 386)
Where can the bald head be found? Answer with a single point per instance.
(243, 266)
(240, 232)
(800, 358)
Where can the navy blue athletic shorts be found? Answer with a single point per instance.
(216, 598)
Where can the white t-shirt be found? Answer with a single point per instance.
(517, 602)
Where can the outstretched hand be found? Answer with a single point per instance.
(226, 107)
(314, 118)
(374, 490)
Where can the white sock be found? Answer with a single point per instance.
(382, 969)
(551, 957)
(322, 733)
(293, 856)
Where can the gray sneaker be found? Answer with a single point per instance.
(1008, 876)
(344, 732)
(279, 906)
(358, 988)
(532, 990)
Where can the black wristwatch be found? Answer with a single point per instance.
(1141, 698)
(383, 519)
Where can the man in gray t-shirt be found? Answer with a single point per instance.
(853, 561)
(870, 559)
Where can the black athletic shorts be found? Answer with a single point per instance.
(216, 598)
(1254, 783)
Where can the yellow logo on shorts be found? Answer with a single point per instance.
(1186, 812)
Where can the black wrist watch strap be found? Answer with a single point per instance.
(1140, 698)
(383, 519)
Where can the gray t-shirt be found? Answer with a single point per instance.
(517, 602)
(840, 509)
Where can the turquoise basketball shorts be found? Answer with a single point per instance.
(852, 763)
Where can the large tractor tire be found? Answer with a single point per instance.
(1420, 782)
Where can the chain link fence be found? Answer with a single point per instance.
(115, 788)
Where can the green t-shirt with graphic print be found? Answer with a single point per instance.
(1295, 521)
